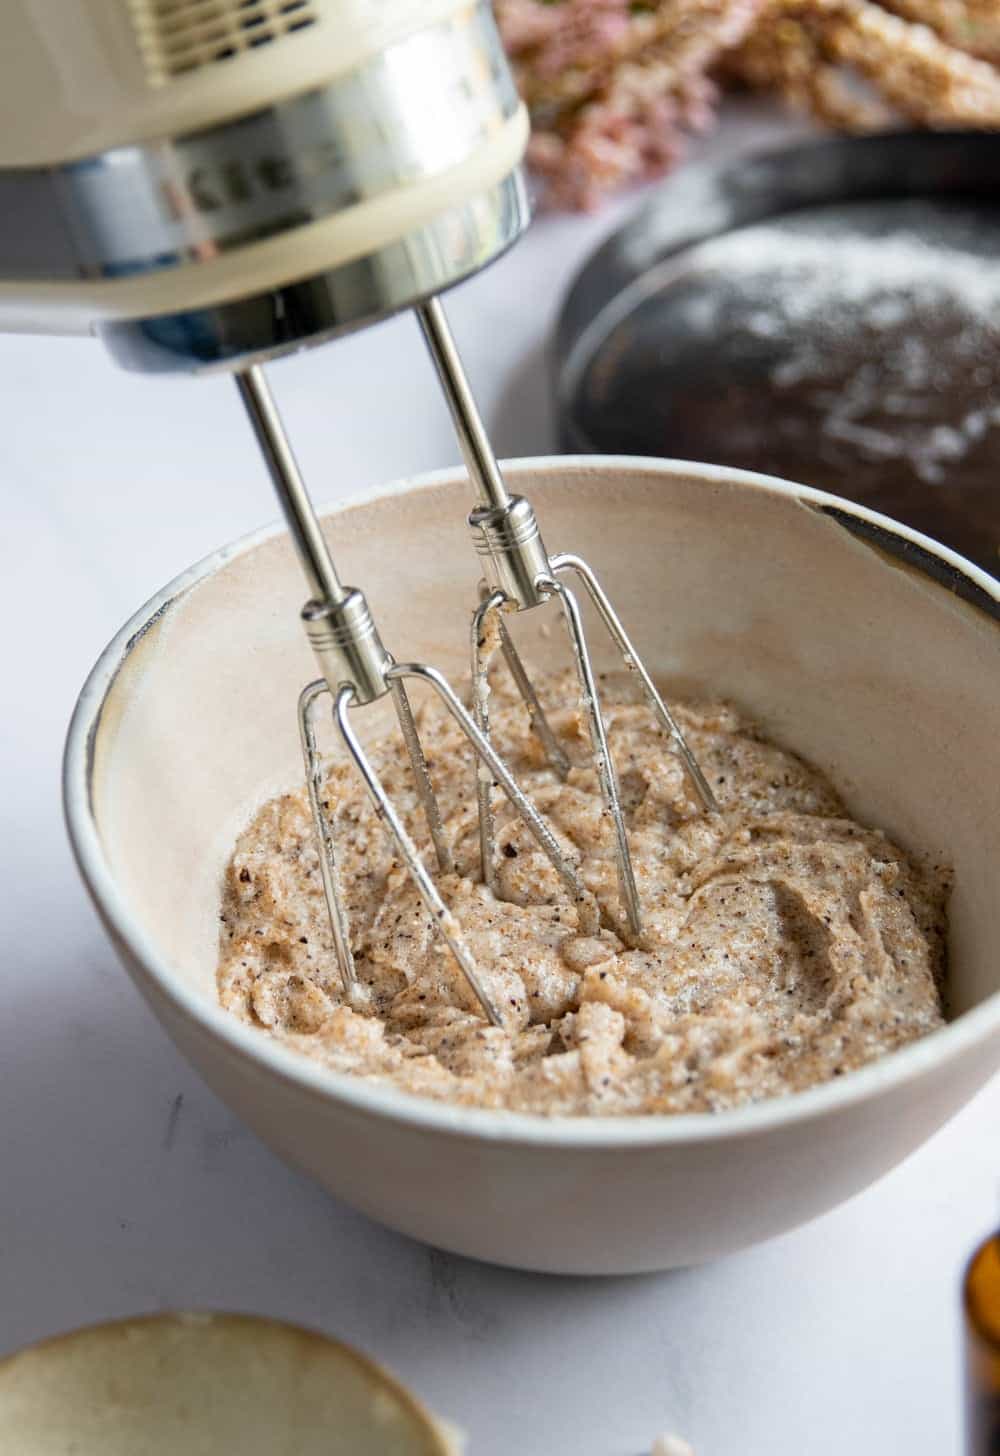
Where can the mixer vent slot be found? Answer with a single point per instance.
(177, 37)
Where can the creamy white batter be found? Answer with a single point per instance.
(784, 945)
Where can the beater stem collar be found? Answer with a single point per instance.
(347, 645)
(511, 551)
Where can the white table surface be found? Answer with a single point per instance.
(125, 1186)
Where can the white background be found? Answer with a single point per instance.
(125, 1186)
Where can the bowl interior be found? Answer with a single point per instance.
(204, 1384)
(885, 678)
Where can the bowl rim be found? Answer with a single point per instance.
(970, 1029)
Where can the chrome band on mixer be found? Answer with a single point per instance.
(441, 252)
(186, 199)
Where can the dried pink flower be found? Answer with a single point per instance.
(615, 87)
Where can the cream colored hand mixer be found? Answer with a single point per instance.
(208, 184)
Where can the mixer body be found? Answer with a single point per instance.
(213, 182)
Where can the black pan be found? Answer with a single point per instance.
(829, 313)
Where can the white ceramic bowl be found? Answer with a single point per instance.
(873, 652)
(204, 1384)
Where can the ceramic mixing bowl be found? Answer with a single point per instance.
(871, 651)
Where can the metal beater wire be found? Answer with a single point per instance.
(520, 575)
(357, 670)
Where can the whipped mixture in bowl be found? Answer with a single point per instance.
(784, 943)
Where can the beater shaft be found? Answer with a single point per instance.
(473, 440)
(324, 583)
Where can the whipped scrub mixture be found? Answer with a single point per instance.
(784, 943)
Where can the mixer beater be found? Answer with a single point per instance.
(520, 574)
(357, 670)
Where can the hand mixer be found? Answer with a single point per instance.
(212, 183)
